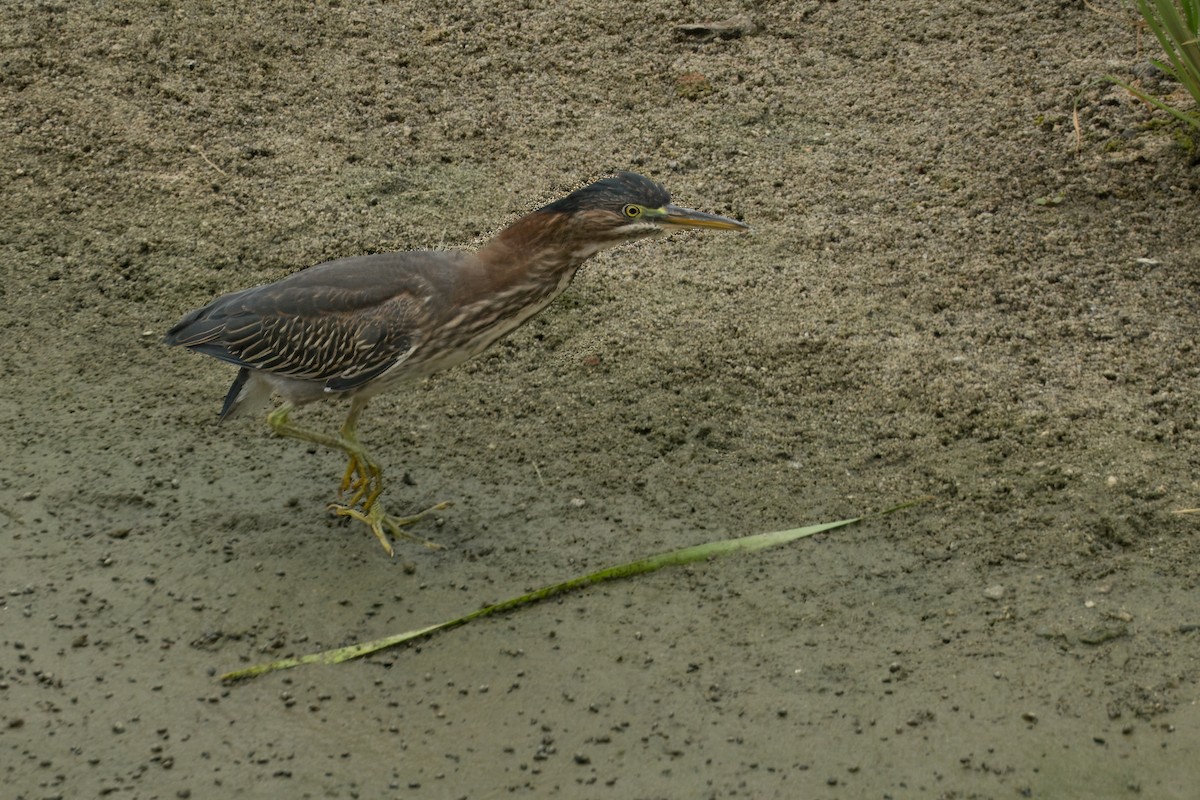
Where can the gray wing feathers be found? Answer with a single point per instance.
(343, 323)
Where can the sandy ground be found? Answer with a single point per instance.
(951, 290)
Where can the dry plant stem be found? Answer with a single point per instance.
(676, 557)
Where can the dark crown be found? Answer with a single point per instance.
(612, 193)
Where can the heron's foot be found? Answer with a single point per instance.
(387, 526)
(363, 479)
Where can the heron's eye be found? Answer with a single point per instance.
(632, 211)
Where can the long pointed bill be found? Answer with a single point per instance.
(687, 218)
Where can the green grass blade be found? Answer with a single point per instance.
(1177, 33)
(687, 555)
(1154, 101)
(1179, 41)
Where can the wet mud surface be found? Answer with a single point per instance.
(972, 276)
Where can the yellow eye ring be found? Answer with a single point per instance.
(632, 211)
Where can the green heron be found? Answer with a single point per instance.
(358, 326)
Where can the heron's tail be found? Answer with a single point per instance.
(249, 393)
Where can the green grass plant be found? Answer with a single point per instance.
(1176, 25)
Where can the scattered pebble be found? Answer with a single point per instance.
(733, 28)
(995, 592)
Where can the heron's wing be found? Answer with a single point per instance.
(342, 323)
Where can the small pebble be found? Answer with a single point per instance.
(995, 592)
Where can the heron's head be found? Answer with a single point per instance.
(622, 208)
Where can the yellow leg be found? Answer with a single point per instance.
(363, 476)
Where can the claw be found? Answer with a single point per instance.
(363, 478)
(348, 478)
(383, 523)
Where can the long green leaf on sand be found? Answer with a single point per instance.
(687, 555)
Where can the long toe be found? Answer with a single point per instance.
(396, 525)
(363, 480)
(386, 526)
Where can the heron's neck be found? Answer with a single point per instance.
(534, 248)
(510, 279)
